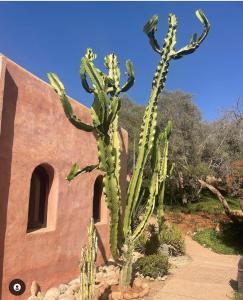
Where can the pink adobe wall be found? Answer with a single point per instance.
(35, 131)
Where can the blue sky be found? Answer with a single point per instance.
(53, 36)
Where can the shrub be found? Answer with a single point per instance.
(237, 296)
(172, 236)
(140, 243)
(152, 265)
(150, 242)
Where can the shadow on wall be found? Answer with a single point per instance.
(10, 96)
(101, 247)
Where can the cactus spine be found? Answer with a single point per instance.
(87, 265)
(104, 111)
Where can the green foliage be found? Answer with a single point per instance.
(152, 265)
(140, 243)
(148, 243)
(237, 296)
(151, 241)
(172, 235)
(152, 244)
(228, 241)
(87, 265)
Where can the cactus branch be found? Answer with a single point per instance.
(60, 90)
(75, 171)
(195, 42)
(87, 265)
(153, 191)
(131, 76)
(150, 28)
(84, 79)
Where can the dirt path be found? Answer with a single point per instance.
(206, 277)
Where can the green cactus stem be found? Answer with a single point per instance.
(104, 111)
(87, 265)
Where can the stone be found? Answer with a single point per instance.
(69, 291)
(66, 297)
(74, 281)
(147, 277)
(50, 297)
(135, 295)
(151, 279)
(40, 295)
(144, 285)
(144, 292)
(127, 295)
(75, 287)
(54, 292)
(62, 288)
(34, 289)
(116, 295)
(33, 298)
(112, 281)
(137, 282)
(164, 249)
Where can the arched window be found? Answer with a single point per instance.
(98, 188)
(38, 198)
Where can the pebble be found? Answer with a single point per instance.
(52, 292)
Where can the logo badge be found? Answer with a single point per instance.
(17, 287)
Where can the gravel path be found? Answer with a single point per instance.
(204, 276)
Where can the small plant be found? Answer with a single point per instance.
(151, 241)
(172, 236)
(148, 243)
(152, 265)
(88, 266)
(140, 243)
(237, 296)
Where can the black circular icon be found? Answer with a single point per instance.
(17, 287)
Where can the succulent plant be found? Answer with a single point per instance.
(104, 111)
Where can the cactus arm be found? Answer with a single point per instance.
(163, 137)
(162, 181)
(84, 79)
(114, 108)
(195, 43)
(149, 124)
(87, 265)
(131, 76)
(153, 191)
(59, 88)
(100, 106)
(113, 79)
(110, 187)
(150, 28)
(116, 146)
(75, 171)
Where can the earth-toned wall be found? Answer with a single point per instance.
(35, 131)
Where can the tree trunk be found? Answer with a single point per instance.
(233, 215)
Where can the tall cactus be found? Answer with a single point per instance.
(104, 111)
(87, 265)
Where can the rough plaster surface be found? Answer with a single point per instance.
(35, 131)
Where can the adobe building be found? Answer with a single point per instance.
(44, 218)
